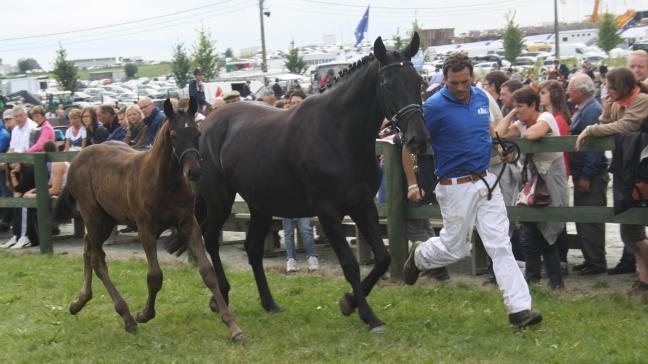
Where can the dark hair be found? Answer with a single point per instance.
(298, 93)
(456, 62)
(526, 95)
(557, 98)
(512, 85)
(279, 104)
(49, 146)
(107, 109)
(623, 81)
(37, 110)
(496, 78)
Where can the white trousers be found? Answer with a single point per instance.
(462, 207)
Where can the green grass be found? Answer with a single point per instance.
(145, 70)
(427, 323)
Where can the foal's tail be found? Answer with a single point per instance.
(64, 208)
(176, 244)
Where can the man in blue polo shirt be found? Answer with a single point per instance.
(458, 120)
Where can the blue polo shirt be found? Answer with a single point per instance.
(459, 132)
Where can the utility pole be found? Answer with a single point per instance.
(264, 64)
(556, 34)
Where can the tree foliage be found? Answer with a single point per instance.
(398, 42)
(229, 53)
(130, 69)
(512, 39)
(27, 64)
(204, 55)
(416, 28)
(181, 65)
(607, 35)
(294, 62)
(65, 71)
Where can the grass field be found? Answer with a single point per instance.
(145, 70)
(427, 323)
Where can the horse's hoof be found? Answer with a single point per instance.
(75, 307)
(131, 329)
(239, 338)
(378, 329)
(346, 304)
(274, 308)
(141, 317)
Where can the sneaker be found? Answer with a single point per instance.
(438, 274)
(23, 242)
(592, 270)
(410, 271)
(313, 263)
(10, 243)
(525, 318)
(291, 265)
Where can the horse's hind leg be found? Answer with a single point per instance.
(259, 226)
(154, 275)
(333, 229)
(99, 229)
(86, 291)
(192, 229)
(367, 221)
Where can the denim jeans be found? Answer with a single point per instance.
(536, 247)
(306, 231)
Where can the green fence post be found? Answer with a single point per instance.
(43, 208)
(396, 205)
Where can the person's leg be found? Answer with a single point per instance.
(306, 232)
(533, 266)
(591, 236)
(552, 264)
(289, 237)
(641, 254)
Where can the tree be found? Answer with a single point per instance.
(204, 56)
(398, 40)
(294, 62)
(416, 28)
(607, 35)
(130, 69)
(229, 53)
(27, 64)
(65, 71)
(180, 65)
(512, 39)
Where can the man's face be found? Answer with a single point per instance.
(232, 100)
(506, 96)
(575, 95)
(20, 117)
(200, 77)
(639, 66)
(9, 123)
(459, 84)
(105, 118)
(146, 106)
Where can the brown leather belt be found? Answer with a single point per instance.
(460, 180)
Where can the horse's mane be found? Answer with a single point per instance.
(343, 74)
(161, 139)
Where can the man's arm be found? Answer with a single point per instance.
(414, 194)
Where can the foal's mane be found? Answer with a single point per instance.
(161, 140)
(350, 70)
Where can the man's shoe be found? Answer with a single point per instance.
(579, 267)
(128, 229)
(621, 269)
(313, 263)
(291, 266)
(23, 242)
(438, 274)
(410, 271)
(638, 288)
(592, 270)
(525, 318)
(491, 280)
(10, 243)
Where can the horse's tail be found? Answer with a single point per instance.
(64, 208)
(176, 244)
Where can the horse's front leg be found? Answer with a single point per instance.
(334, 232)
(192, 229)
(154, 275)
(366, 218)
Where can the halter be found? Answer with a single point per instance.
(184, 153)
(406, 110)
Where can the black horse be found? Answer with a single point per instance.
(317, 159)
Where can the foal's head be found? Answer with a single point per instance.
(184, 135)
(400, 86)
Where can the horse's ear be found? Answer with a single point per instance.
(413, 47)
(168, 109)
(379, 50)
(193, 106)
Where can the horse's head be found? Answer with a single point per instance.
(184, 136)
(400, 86)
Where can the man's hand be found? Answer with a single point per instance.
(584, 185)
(581, 139)
(415, 194)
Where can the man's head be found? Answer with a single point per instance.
(8, 118)
(218, 103)
(458, 72)
(296, 98)
(106, 114)
(199, 74)
(146, 105)
(232, 96)
(493, 82)
(507, 90)
(638, 64)
(580, 88)
(20, 116)
(38, 114)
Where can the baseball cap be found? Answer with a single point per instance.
(8, 114)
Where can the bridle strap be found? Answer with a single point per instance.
(185, 152)
(395, 64)
(406, 110)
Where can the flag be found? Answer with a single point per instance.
(362, 27)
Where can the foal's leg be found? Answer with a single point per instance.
(192, 229)
(86, 291)
(98, 233)
(367, 221)
(259, 227)
(334, 232)
(154, 275)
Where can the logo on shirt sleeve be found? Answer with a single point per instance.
(482, 111)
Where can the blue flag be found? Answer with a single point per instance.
(362, 27)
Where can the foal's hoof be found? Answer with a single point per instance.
(347, 304)
(131, 328)
(141, 317)
(75, 307)
(239, 338)
(272, 307)
(378, 329)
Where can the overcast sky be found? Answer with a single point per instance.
(154, 26)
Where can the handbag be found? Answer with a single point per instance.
(534, 190)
